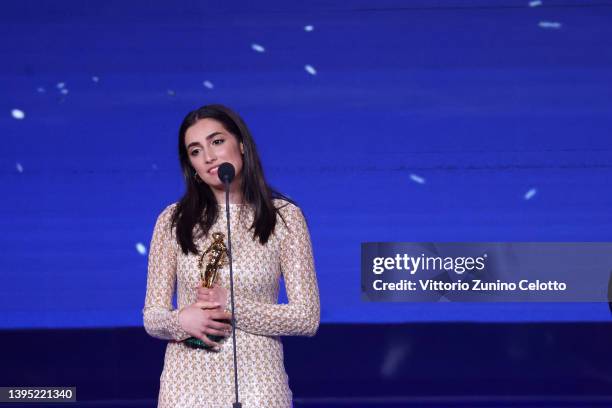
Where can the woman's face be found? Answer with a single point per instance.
(208, 145)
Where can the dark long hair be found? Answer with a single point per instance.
(199, 199)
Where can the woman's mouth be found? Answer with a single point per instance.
(213, 170)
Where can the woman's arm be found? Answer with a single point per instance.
(160, 319)
(302, 314)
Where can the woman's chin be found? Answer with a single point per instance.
(218, 185)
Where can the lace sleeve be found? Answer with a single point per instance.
(301, 315)
(159, 317)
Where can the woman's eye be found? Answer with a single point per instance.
(194, 152)
(218, 140)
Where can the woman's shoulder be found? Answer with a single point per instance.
(167, 213)
(284, 205)
(290, 213)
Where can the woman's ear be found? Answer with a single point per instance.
(241, 148)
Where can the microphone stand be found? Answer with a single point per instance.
(236, 404)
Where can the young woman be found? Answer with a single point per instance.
(270, 239)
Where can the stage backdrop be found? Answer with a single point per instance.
(385, 120)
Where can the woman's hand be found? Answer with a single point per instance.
(216, 294)
(202, 318)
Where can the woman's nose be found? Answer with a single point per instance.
(209, 157)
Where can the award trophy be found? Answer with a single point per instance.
(217, 258)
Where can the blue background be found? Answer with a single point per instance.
(474, 98)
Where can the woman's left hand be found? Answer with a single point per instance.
(216, 294)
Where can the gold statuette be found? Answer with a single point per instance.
(217, 259)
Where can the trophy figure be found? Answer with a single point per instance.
(217, 258)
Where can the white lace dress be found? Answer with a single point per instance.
(200, 378)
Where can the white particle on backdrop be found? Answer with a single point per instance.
(535, 3)
(529, 194)
(550, 24)
(308, 28)
(64, 91)
(19, 167)
(60, 85)
(18, 114)
(171, 92)
(393, 359)
(154, 166)
(310, 69)
(40, 89)
(417, 179)
(208, 84)
(95, 78)
(257, 47)
(141, 248)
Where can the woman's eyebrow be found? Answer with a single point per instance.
(193, 144)
(213, 134)
(207, 138)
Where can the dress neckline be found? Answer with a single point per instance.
(233, 205)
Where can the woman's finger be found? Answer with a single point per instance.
(216, 332)
(207, 305)
(209, 342)
(220, 314)
(219, 326)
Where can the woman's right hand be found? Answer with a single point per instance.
(202, 318)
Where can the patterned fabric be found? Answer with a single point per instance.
(200, 378)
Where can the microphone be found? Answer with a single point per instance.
(226, 172)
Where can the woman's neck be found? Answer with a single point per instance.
(235, 195)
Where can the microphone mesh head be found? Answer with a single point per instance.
(226, 172)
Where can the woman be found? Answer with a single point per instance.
(269, 238)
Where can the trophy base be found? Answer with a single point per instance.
(195, 343)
